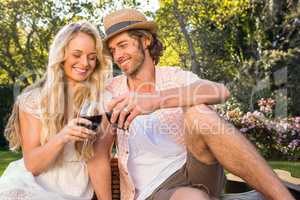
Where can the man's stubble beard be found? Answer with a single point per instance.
(141, 59)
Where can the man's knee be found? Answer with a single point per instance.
(203, 120)
(199, 120)
(193, 132)
(200, 115)
(189, 193)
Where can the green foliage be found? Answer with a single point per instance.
(246, 44)
(209, 24)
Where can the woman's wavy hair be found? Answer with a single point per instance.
(53, 89)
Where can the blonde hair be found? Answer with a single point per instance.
(53, 90)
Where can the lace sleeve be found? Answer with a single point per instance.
(29, 102)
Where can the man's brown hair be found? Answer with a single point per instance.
(155, 47)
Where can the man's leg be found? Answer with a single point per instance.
(192, 181)
(209, 138)
(183, 193)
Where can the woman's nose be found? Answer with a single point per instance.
(84, 61)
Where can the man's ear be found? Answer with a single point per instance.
(146, 42)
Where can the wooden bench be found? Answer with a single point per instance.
(115, 182)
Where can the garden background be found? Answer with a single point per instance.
(252, 46)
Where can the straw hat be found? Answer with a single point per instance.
(126, 19)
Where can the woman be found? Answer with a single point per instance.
(45, 124)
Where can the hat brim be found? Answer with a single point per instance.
(148, 25)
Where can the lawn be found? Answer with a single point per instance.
(6, 157)
(293, 167)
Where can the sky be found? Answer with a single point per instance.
(146, 5)
(153, 5)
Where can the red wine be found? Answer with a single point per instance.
(95, 119)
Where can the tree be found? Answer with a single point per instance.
(182, 23)
(244, 43)
(197, 32)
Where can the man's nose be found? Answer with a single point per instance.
(118, 55)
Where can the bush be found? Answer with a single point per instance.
(6, 102)
(275, 137)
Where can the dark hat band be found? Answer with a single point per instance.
(119, 26)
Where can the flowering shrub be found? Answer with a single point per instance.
(276, 138)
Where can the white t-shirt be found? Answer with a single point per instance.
(154, 156)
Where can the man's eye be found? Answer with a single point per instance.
(123, 45)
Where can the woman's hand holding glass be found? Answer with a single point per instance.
(76, 130)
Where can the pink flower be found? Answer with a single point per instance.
(266, 105)
(244, 130)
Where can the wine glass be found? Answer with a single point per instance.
(107, 97)
(90, 111)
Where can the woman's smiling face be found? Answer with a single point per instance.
(81, 58)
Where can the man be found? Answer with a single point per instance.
(170, 153)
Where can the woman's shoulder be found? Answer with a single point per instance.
(29, 101)
(29, 92)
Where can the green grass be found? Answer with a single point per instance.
(294, 167)
(6, 157)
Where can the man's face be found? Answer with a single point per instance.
(127, 53)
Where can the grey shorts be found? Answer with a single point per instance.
(195, 174)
